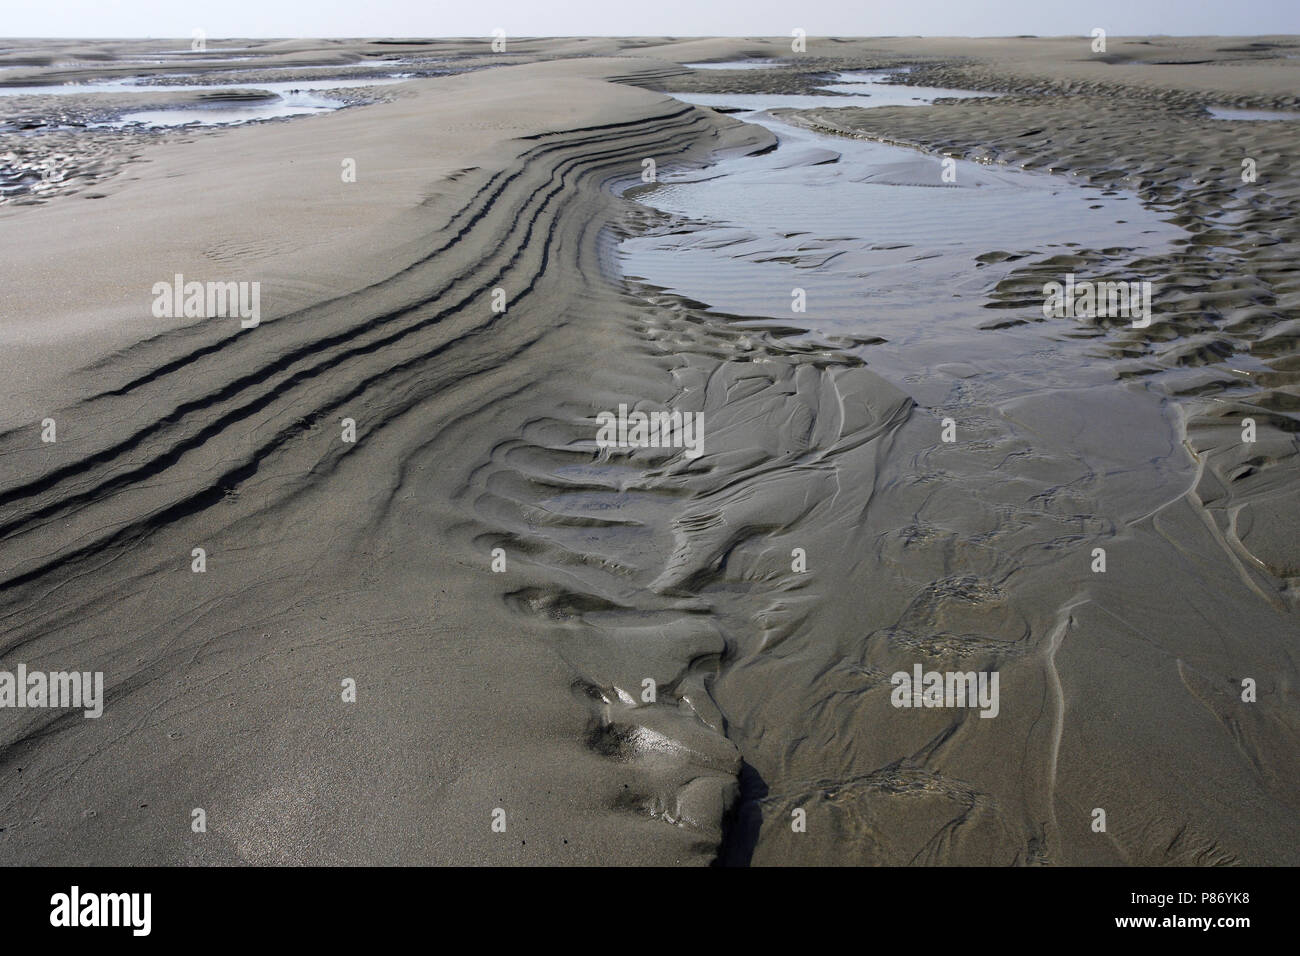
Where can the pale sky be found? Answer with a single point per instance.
(449, 18)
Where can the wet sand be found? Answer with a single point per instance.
(523, 690)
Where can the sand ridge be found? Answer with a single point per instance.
(238, 431)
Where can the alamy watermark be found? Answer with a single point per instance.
(652, 430)
(75, 909)
(946, 689)
(208, 300)
(1091, 300)
(57, 689)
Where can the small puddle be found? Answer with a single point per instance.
(1232, 113)
(138, 85)
(865, 226)
(282, 98)
(737, 65)
(864, 88)
(290, 104)
(877, 84)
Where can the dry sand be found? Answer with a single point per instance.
(521, 690)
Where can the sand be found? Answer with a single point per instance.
(522, 690)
